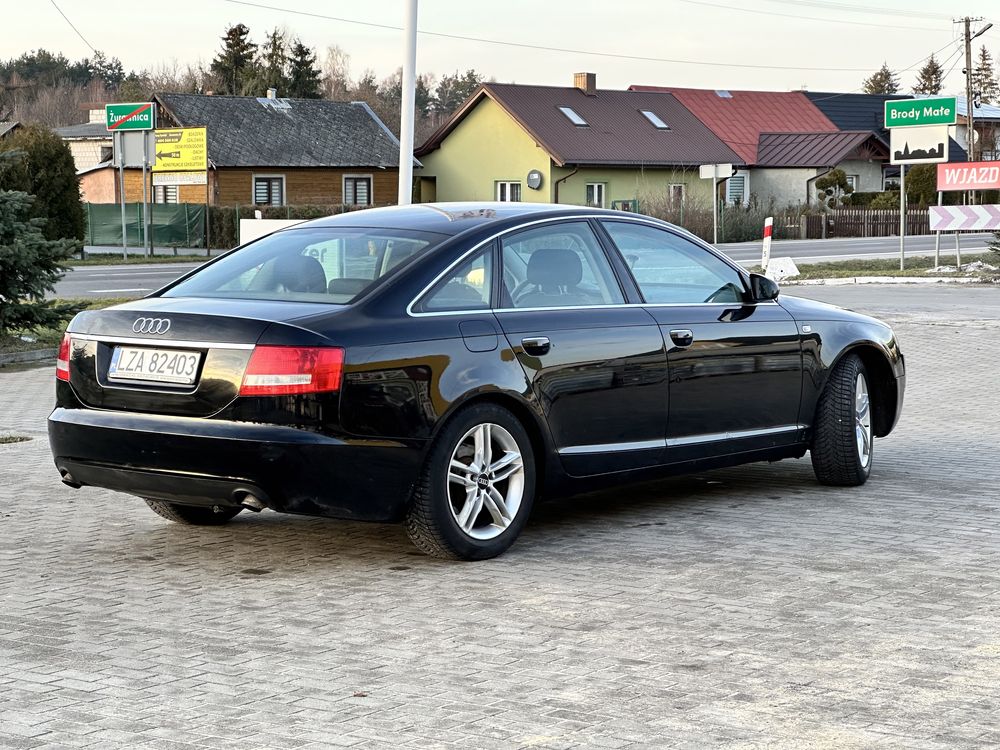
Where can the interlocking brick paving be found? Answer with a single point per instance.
(740, 608)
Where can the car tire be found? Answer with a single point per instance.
(454, 512)
(193, 515)
(843, 440)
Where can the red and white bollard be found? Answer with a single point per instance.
(765, 255)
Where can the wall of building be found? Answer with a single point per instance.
(101, 186)
(786, 186)
(621, 184)
(869, 174)
(87, 154)
(302, 186)
(487, 147)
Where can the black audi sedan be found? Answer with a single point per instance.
(445, 365)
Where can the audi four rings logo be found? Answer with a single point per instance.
(158, 326)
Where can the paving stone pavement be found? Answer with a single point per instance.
(741, 608)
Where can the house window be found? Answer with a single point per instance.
(358, 190)
(736, 189)
(269, 190)
(572, 115)
(508, 192)
(853, 181)
(890, 182)
(677, 192)
(595, 194)
(655, 119)
(164, 193)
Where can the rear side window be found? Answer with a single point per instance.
(466, 288)
(324, 264)
(672, 270)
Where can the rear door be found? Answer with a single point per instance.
(735, 365)
(596, 365)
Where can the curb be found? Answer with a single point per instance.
(887, 280)
(36, 355)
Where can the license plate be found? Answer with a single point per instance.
(154, 365)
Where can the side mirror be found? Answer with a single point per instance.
(763, 288)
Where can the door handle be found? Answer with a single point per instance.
(536, 345)
(682, 336)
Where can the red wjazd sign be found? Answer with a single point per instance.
(972, 175)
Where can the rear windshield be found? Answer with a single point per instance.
(325, 264)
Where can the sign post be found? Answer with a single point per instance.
(960, 177)
(765, 252)
(715, 172)
(121, 188)
(918, 134)
(180, 151)
(119, 118)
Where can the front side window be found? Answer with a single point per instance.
(670, 269)
(466, 288)
(508, 192)
(677, 193)
(358, 191)
(269, 191)
(164, 193)
(323, 264)
(558, 265)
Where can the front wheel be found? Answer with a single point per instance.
(477, 486)
(192, 515)
(843, 441)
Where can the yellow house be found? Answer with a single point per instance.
(576, 145)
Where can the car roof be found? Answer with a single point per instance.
(451, 218)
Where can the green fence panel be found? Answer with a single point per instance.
(173, 224)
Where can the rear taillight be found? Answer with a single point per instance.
(287, 370)
(62, 362)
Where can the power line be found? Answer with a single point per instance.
(544, 48)
(92, 48)
(875, 10)
(808, 18)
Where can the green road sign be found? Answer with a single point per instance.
(909, 113)
(132, 116)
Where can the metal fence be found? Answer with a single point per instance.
(173, 224)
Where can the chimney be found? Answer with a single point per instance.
(272, 93)
(586, 82)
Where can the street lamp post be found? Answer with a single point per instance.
(406, 115)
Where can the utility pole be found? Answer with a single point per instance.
(970, 106)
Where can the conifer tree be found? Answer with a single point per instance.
(984, 78)
(929, 78)
(30, 265)
(883, 81)
(303, 75)
(235, 66)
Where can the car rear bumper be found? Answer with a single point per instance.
(214, 462)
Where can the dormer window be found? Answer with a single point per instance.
(654, 119)
(573, 117)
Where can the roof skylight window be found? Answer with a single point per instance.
(573, 117)
(655, 119)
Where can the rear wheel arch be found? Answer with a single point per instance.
(531, 421)
(881, 382)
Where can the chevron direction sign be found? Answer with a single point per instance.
(953, 218)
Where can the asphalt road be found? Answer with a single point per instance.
(139, 280)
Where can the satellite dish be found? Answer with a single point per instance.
(534, 179)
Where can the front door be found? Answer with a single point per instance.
(596, 366)
(735, 366)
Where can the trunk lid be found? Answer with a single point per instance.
(219, 333)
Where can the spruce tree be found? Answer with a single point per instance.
(303, 75)
(30, 265)
(235, 66)
(984, 78)
(929, 78)
(47, 172)
(274, 64)
(883, 81)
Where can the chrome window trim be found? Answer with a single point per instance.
(709, 437)
(160, 343)
(624, 218)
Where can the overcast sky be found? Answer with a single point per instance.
(793, 34)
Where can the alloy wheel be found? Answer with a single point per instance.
(485, 481)
(863, 420)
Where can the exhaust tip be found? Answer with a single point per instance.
(68, 479)
(250, 501)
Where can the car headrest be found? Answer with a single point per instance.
(554, 266)
(300, 273)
